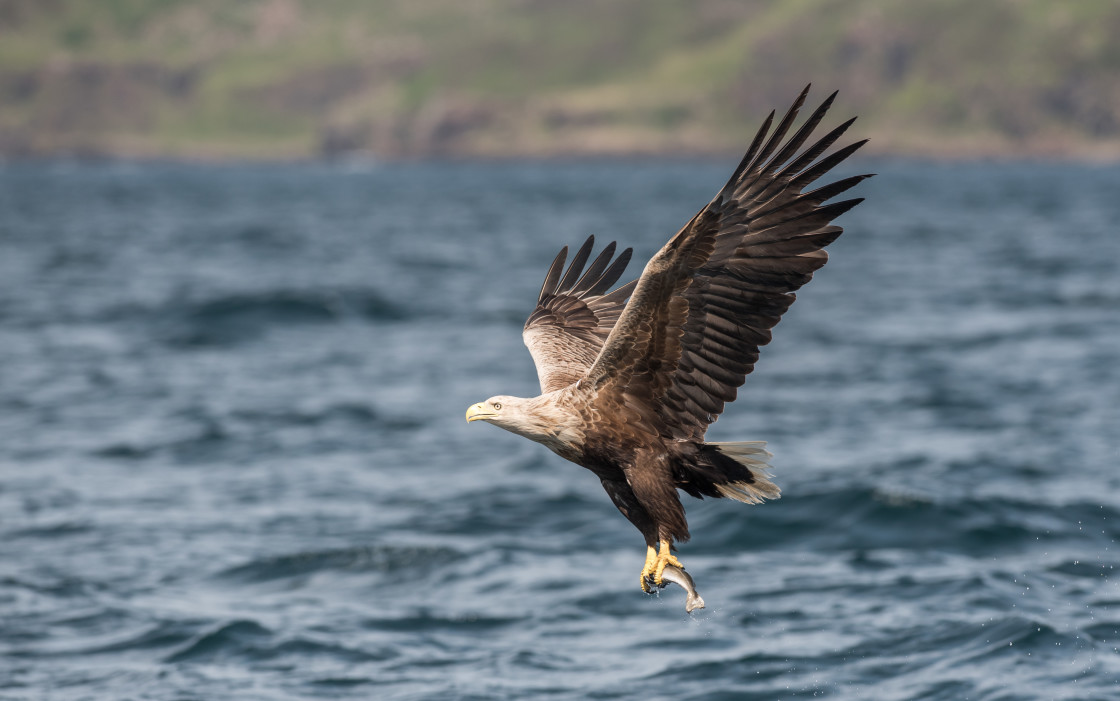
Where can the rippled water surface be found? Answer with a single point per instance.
(233, 461)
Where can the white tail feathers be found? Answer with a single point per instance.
(753, 456)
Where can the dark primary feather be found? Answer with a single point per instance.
(576, 267)
(708, 300)
(573, 316)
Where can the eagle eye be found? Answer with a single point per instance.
(497, 405)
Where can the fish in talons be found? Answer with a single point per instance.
(677, 575)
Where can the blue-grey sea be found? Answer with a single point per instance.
(234, 465)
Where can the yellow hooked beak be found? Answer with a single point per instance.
(479, 411)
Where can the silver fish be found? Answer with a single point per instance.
(684, 580)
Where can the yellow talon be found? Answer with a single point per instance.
(656, 562)
(647, 570)
(664, 558)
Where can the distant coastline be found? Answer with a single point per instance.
(1086, 153)
(293, 80)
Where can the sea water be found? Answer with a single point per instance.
(233, 461)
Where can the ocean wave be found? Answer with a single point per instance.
(225, 639)
(427, 621)
(62, 529)
(873, 517)
(226, 319)
(247, 639)
(357, 559)
(201, 433)
(240, 317)
(161, 635)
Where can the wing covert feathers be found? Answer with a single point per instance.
(707, 301)
(573, 316)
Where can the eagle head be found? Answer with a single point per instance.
(514, 414)
(539, 419)
(498, 410)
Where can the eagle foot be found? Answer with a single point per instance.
(656, 562)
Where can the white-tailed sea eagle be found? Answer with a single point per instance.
(631, 379)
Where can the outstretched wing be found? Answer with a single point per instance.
(707, 301)
(574, 316)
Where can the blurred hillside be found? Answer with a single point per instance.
(296, 78)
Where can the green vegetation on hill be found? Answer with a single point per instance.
(297, 78)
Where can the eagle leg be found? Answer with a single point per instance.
(647, 570)
(656, 562)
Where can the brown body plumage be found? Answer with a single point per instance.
(631, 379)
